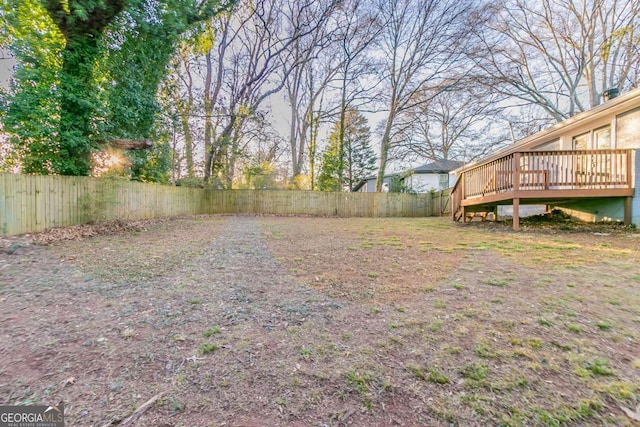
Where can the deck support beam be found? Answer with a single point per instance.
(516, 214)
(628, 202)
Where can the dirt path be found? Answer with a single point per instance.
(279, 341)
(201, 311)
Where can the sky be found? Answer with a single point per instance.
(277, 106)
(6, 66)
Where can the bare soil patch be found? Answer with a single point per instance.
(255, 321)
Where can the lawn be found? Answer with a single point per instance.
(287, 321)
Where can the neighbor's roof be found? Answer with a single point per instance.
(617, 105)
(439, 166)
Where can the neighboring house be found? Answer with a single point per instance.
(587, 165)
(425, 178)
(368, 184)
(432, 176)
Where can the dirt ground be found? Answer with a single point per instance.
(283, 321)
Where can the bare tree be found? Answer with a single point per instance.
(185, 106)
(218, 29)
(359, 27)
(327, 80)
(308, 78)
(557, 54)
(252, 67)
(459, 122)
(179, 100)
(418, 47)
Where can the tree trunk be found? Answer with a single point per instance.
(293, 134)
(385, 144)
(188, 144)
(313, 147)
(208, 113)
(232, 156)
(343, 114)
(216, 157)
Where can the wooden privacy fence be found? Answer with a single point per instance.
(30, 203)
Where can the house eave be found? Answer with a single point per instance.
(431, 172)
(612, 107)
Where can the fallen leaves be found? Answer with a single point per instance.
(68, 381)
(89, 230)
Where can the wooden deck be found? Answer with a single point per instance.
(544, 177)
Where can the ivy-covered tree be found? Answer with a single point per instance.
(82, 25)
(30, 105)
(344, 166)
(95, 75)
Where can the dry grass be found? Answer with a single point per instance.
(312, 321)
(528, 328)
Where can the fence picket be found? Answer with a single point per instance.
(31, 203)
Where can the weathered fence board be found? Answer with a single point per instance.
(30, 203)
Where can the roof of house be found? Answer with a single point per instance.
(439, 166)
(613, 106)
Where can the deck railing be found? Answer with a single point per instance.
(546, 170)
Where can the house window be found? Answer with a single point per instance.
(602, 138)
(581, 142)
(444, 181)
(628, 129)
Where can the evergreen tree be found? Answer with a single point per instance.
(328, 177)
(344, 165)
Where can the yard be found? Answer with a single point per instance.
(290, 321)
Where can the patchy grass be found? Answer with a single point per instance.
(207, 348)
(603, 325)
(312, 321)
(600, 367)
(437, 377)
(214, 330)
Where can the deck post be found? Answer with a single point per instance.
(628, 201)
(516, 214)
(464, 214)
(495, 214)
(630, 182)
(516, 172)
(516, 188)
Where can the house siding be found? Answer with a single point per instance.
(370, 185)
(612, 125)
(424, 182)
(625, 131)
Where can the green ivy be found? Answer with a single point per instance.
(88, 71)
